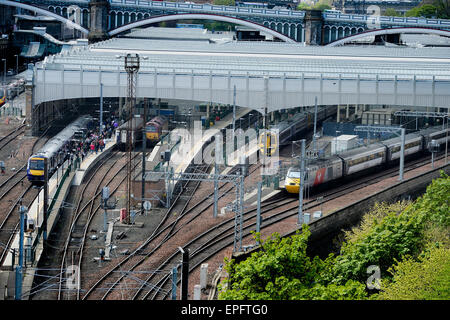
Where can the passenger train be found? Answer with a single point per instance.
(297, 123)
(155, 129)
(2, 96)
(137, 125)
(56, 151)
(11, 90)
(363, 158)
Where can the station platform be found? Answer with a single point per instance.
(58, 188)
(182, 158)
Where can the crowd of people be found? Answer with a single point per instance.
(94, 141)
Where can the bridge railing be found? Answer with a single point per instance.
(387, 20)
(207, 8)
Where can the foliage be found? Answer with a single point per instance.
(303, 6)
(385, 238)
(320, 5)
(409, 242)
(283, 271)
(442, 6)
(391, 12)
(393, 237)
(425, 279)
(224, 2)
(426, 11)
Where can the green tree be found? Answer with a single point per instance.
(443, 7)
(303, 6)
(224, 2)
(321, 6)
(408, 241)
(426, 11)
(391, 12)
(425, 279)
(414, 12)
(283, 271)
(392, 233)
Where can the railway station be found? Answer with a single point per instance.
(135, 165)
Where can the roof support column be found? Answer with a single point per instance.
(377, 91)
(174, 83)
(155, 83)
(433, 87)
(303, 89)
(395, 89)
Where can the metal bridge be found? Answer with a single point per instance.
(327, 28)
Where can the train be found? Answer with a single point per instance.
(11, 91)
(15, 88)
(55, 151)
(155, 129)
(2, 96)
(360, 159)
(296, 124)
(137, 125)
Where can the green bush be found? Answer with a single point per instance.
(408, 241)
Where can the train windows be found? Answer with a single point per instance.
(36, 164)
(366, 158)
(151, 128)
(407, 146)
(293, 174)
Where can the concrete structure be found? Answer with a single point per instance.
(99, 20)
(343, 142)
(267, 75)
(290, 23)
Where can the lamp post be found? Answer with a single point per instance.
(19, 271)
(17, 63)
(302, 183)
(4, 71)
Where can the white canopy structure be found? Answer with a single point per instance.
(266, 75)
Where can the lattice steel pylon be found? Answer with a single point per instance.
(132, 64)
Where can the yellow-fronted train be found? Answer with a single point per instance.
(55, 151)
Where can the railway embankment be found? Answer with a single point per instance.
(326, 229)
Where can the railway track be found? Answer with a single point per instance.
(179, 205)
(15, 191)
(12, 135)
(83, 213)
(221, 236)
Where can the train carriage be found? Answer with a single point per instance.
(434, 133)
(137, 125)
(55, 151)
(155, 129)
(2, 96)
(363, 158)
(413, 144)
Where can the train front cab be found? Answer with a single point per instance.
(152, 133)
(35, 170)
(292, 182)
